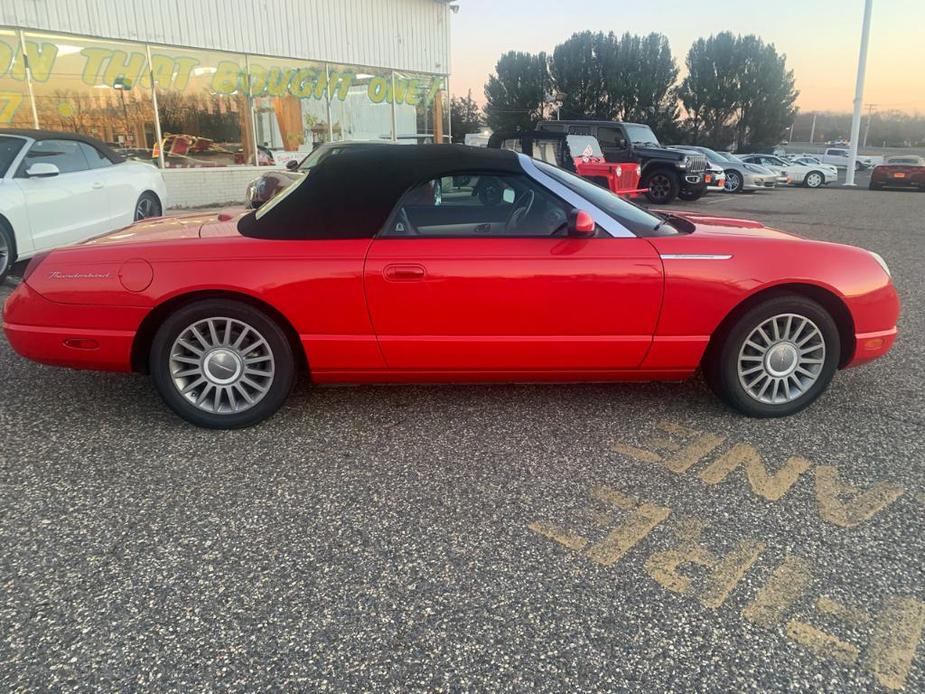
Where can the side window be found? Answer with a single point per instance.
(65, 154)
(478, 205)
(611, 137)
(95, 158)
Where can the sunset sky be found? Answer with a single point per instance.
(819, 37)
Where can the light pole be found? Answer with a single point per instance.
(121, 85)
(859, 95)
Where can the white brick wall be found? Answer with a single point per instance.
(205, 187)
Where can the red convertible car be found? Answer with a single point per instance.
(444, 263)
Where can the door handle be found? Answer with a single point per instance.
(404, 273)
(96, 185)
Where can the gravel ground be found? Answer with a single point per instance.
(478, 538)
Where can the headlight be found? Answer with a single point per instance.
(638, 170)
(879, 259)
(684, 163)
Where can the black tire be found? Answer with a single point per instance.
(662, 186)
(721, 363)
(689, 195)
(874, 186)
(814, 179)
(734, 181)
(148, 205)
(278, 386)
(7, 250)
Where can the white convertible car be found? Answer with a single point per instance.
(59, 188)
(799, 173)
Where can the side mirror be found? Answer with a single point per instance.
(292, 164)
(42, 169)
(581, 224)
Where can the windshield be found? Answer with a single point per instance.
(9, 148)
(912, 161)
(634, 218)
(640, 134)
(584, 146)
(712, 156)
(729, 156)
(318, 156)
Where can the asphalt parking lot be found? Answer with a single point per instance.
(581, 537)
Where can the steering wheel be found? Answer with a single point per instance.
(520, 213)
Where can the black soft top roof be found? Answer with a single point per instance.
(105, 149)
(351, 195)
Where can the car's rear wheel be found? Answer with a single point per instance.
(662, 187)
(222, 364)
(733, 181)
(7, 250)
(776, 359)
(813, 179)
(148, 205)
(874, 186)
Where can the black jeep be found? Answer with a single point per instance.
(666, 173)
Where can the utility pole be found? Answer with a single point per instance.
(812, 130)
(859, 94)
(870, 111)
(790, 139)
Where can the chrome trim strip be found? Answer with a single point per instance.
(694, 256)
(604, 220)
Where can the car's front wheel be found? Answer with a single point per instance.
(7, 250)
(813, 179)
(148, 205)
(733, 181)
(776, 359)
(222, 364)
(663, 187)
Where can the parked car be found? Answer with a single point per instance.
(59, 188)
(714, 176)
(384, 265)
(795, 172)
(269, 184)
(904, 171)
(839, 157)
(740, 176)
(579, 154)
(666, 173)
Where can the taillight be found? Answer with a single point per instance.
(34, 264)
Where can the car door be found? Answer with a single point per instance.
(475, 273)
(65, 207)
(119, 184)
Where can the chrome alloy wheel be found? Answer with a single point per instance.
(814, 180)
(145, 208)
(5, 252)
(781, 359)
(221, 365)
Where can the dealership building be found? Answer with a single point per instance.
(211, 91)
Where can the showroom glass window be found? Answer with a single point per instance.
(421, 108)
(361, 107)
(15, 108)
(93, 88)
(204, 108)
(290, 102)
(479, 206)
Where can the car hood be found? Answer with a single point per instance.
(710, 225)
(188, 226)
(661, 152)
